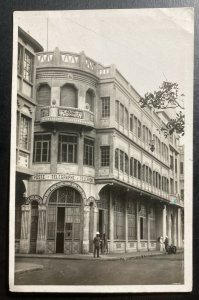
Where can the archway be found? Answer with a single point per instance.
(64, 220)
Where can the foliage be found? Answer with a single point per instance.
(166, 97)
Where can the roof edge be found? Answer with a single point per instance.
(29, 39)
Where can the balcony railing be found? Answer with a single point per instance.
(175, 199)
(65, 115)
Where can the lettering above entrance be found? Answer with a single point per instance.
(34, 198)
(80, 178)
(64, 183)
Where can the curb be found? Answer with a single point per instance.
(30, 269)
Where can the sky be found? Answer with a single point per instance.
(147, 46)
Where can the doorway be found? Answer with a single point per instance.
(101, 222)
(60, 230)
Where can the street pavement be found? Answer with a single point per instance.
(159, 269)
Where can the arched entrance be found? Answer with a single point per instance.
(64, 221)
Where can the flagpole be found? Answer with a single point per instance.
(47, 33)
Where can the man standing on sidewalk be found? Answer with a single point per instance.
(96, 243)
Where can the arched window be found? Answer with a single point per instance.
(68, 96)
(117, 158)
(44, 95)
(90, 100)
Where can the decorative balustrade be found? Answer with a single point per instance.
(66, 115)
(74, 60)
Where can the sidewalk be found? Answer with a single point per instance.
(26, 267)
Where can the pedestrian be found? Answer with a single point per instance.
(166, 243)
(104, 244)
(96, 242)
(161, 243)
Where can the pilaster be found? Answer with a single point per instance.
(86, 229)
(111, 223)
(41, 236)
(25, 229)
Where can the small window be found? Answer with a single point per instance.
(105, 107)
(121, 160)
(105, 156)
(139, 129)
(88, 152)
(28, 66)
(117, 111)
(41, 149)
(131, 123)
(20, 59)
(121, 115)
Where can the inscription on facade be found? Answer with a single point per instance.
(81, 178)
(70, 113)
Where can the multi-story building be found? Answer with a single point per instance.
(100, 163)
(27, 47)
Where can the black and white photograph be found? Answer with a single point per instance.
(101, 151)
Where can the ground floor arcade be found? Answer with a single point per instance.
(64, 218)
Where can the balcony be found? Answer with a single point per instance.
(175, 199)
(65, 115)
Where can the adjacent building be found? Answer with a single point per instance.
(99, 161)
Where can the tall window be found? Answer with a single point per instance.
(176, 165)
(131, 166)
(181, 167)
(90, 100)
(171, 162)
(105, 107)
(139, 129)
(121, 114)
(116, 158)
(126, 163)
(135, 125)
(88, 152)
(121, 160)
(126, 119)
(131, 123)
(117, 111)
(105, 156)
(28, 66)
(20, 59)
(67, 150)
(24, 136)
(119, 218)
(41, 149)
(131, 215)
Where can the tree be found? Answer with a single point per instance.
(167, 97)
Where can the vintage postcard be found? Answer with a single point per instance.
(101, 151)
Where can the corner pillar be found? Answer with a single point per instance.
(179, 241)
(111, 223)
(41, 236)
(86, 229)
(25, 229)
(138, 225)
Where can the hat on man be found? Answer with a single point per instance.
(97, 233)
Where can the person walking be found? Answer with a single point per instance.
(166, 243)
(96, 243)
(104, 244)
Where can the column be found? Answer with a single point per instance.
(25, 229)
(86, 229)
(148, 227)
(41, 236)
(164, 221)
(138, 225)
(111, 223)
(179, 229)
(169, 225)
(126, 224)
(54, 154)
(95, 220)
(175, 227)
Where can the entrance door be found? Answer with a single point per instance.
(60, 230)
(34, 226)
(91, 233)
(101, 222)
